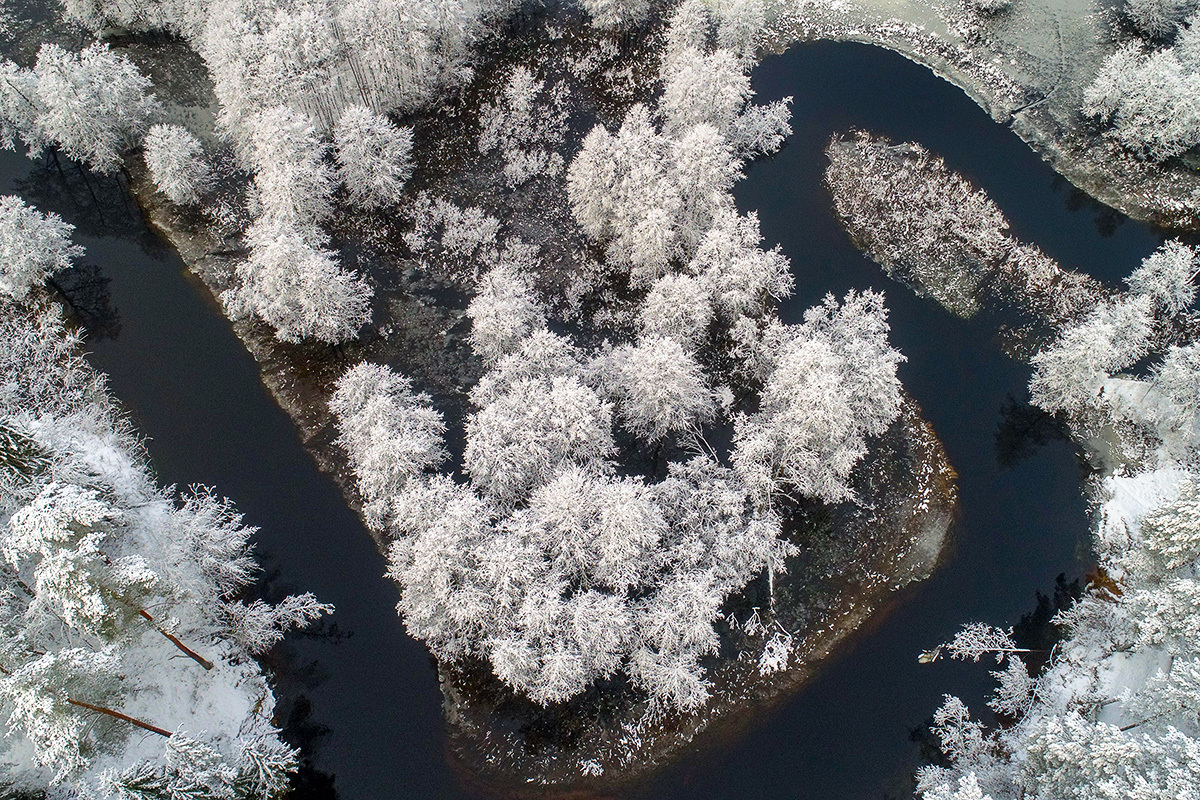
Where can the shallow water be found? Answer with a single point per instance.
(361, 698)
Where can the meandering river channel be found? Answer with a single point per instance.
(361, 698)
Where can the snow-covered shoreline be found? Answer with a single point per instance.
(910, 488)
(1027, 67)
(905, 548)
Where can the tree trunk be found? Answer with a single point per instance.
(146, 726)
(192, 654)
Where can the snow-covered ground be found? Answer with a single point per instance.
(1028, 67)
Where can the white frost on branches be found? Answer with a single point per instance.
(177, 165)
(33, 246)
(296, 286)
(525, 124)
(831, 383)
(374, 157)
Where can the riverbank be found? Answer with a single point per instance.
(853, 559)
(1027, 67)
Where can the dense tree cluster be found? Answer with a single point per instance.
(1079, 373)
(91, 105)
(318, 56)
(1148, 98)
(548, 564)
(552, 559)
(1113, 715)
(928, 226)
(286, 74)
(291, 280)
(831, 382)
(118, 600)
(652, 191)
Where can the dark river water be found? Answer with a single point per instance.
(362, 698)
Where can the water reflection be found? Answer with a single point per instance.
(85, 290)
(1023, 430)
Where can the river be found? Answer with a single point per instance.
(361, 698)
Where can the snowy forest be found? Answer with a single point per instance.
(650, 371)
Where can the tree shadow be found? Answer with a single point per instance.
(84, 288)
(1023, 430)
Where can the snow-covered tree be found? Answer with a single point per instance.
(259, 626)
(1150, 100)
(699, 87)
(660, 388)
(445, 599)
(58, 539)
(19, 109)
(93, 104)
(210, 534)
(90, 547)
(45, 699)
(294, 182)
(740, 26)
(678, 307)
(741, 275)
(516, 441)
(391, 433)
(617, 14)
(1167, 275)
(296, 286)
(677, 633)
(1177, 377)
(374, 157)
(1014, 689)
(504, 312)
(651, 195)
(832, 382)
(621, 193)
(1069, 373)
(1171, 533)
(177, 164)
(1158, 18)
(33, 246)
